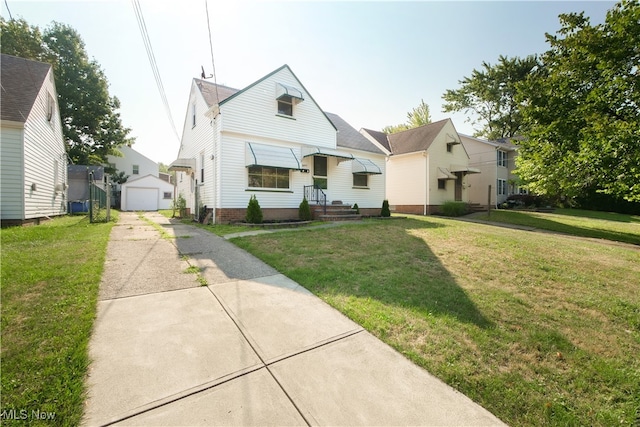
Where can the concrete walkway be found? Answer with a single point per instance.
(250, 348)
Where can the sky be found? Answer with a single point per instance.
(369, 62)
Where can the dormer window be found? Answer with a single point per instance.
(285, 107)
(287, 97)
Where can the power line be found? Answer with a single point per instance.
(154, 65)
(213, 64)
(8, 10)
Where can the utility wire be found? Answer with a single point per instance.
(154, 65)
(213, 64)
(8, 10)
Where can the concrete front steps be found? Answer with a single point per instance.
(336, 211)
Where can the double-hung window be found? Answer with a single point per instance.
(502, 158)
(502, 187)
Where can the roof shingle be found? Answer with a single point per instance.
(416, 139)
(348, 137)
(21, 80)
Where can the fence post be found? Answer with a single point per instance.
(108, 186)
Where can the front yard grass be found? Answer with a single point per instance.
(600, 225)
(540, 329)
(50, 277)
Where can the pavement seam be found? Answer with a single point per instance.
(182, 395)
(224, 307)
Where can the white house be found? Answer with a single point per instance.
(427, 166)
(33, 159)
(133, 163)
(146, 190)
(146, 193)
(272, 140)
(496, 161)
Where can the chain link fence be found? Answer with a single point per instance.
(99, 203)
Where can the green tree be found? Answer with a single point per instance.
(581, 109)
(490, 95)
(254, 211)
(417, 117)
(91, 123)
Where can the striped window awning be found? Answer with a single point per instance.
(462, 168)
(364, 167)
(287, 92)
(271, 156)
(327, 152)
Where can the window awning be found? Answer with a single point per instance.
(445, 174)
(286, 92)
(183, 165)
(271, 156)
(451, 140)
(364, 167)
(465, 169)
(327, 152)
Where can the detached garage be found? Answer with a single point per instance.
(147, 193)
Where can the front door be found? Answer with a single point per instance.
(458, 187)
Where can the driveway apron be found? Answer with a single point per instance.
(239, 344)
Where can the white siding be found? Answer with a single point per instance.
(145, 193)
(43, 149)
(253, 113)
(131, 157)
(195, 140)
(11, 173)
(340, 181)
(440, 157)
(406, 179)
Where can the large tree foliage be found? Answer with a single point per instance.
(417, 117)
(582, 109)
(91, 123)
(489, 94)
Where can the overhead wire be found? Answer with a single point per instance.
(213, 64)
(152, 61)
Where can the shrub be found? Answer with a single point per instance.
(180, 205)
(526, 200)
(385, 212)
(254, 211)
(304, 210)
(454, 208)
(356, 208)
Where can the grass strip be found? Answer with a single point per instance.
(50, 278)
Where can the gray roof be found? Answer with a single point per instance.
(208, 91)
(381, 137)
(21, 81)
(416, 139)
(348, 137)
(506, 143)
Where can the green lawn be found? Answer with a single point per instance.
(541, 329)
(50, 277)
(600, 225)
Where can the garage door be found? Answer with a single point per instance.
(142, 199)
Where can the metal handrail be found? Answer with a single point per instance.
(313, 193)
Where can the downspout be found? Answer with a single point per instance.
(427, 209)
(213, 172)
(495, 205)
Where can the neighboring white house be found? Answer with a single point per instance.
(146, 193)
(272, 140)
(132, 163)
(33, 160)
(145, 189)
(496, 161)
(427, 166)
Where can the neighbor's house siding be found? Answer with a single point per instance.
(440, 157)
(483, 155)
(131, 157)
(12, 171)
(406, 182)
